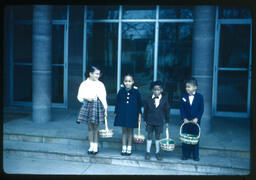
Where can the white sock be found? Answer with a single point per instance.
(129, 148)
(149, 142)
(124, 148)
(95, 147)
(91, 147)
(157, 143)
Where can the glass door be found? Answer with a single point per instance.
(233, 70)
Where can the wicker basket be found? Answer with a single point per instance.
(106, 133)
(138, 138)
(167, 144)
(190, 138)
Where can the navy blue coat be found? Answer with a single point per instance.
(156, 116)
(191, 111)
(127, 109)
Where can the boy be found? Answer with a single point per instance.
(156, 109)
(191, 109)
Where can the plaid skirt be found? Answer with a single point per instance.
(92, 112)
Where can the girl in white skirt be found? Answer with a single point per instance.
(92, 94)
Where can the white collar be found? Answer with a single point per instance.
(193, 94)
(160, 96)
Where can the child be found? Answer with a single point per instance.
(191, 109)
(128, 111)
(156, 109)
(92, 94)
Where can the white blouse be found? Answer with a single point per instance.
(92, 89)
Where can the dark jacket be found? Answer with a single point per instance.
(156, 116)
(128, 106)
(192, 111)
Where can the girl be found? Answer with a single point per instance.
(92, 94)
(127, 112)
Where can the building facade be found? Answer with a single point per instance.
(167, 43)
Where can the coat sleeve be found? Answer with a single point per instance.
(167, 111)
(145, 111)
(117, 102)
(201, 108)
(140, 105)
(182, 109)
(80, 94)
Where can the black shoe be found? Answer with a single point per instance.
(128, 153)
(94, 152)
(158, 156)
(89, 152)
(184, 158)
(147, 156)
(196, 159)
(123, 153)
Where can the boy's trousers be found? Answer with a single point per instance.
(187, 149)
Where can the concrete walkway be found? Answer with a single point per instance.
(54, 147)
(18, 165)
(226, 133)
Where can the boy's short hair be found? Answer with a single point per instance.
(156, 83)
(192, 81)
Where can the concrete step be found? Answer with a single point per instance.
(171, 160)
(115, 143)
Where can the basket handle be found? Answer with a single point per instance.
(192, 123)
(106, 123)
(139, 128)
(167, 135)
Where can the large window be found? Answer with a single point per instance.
(22, 62)
(174, 58)
(149, 42)
(102, 52)
(21, 56)
(138, 54)
(233, 61)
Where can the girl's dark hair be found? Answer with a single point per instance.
(156, 83)
(125, 77)
(192, 81)
(91, 69)
(129, 75)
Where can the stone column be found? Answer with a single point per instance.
(41, 63)
(203, 57)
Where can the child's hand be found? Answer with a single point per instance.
(186, 120)
(106, 113)
(89, 99)
(166, 125)
(145, 123)
(139, 117)
(195, 120)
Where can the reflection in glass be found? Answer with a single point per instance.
(22, 83)
(234, 46)
(174, 58)
(234, 12)
(175, 12)
(59, 12)
(232, 91)
(22, 43)
(57, 84)
(57, 44)
(102, 52)
(139, 12)
(22, 12)
(102, 12)
(138, 54)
